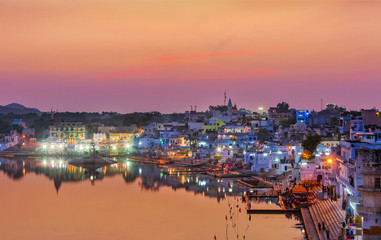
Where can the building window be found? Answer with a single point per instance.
(377, 183)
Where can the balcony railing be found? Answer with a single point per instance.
(368, 189)
(368, 210)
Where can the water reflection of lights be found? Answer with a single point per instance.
(191, 182)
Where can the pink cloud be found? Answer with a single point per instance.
(127, 73)
(142, 71)
(250, 73)
(205, 55)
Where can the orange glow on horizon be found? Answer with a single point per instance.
(126, 49)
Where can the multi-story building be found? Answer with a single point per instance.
(121, 137)
(371, 117)
(67, 130)
(277, 116)
(302, 116)
(370, 208)
(214, 124)
(368, 137)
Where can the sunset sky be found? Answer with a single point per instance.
(165, 55)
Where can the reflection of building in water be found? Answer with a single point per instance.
(57, 184)
(14, 169)
(149, 176)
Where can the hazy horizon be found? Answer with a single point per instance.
(165, 55)
(181, 111)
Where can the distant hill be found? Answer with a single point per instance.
(17, 109)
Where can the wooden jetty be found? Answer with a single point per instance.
(229, 175)
(282, 210)
(268, 194)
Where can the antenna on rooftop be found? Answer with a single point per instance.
(51, 114)
(225, 98)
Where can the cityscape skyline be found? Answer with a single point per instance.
(190, 119)
(192, 107)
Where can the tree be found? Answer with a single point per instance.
(221, 108)
(263, 135)
(4, 127)
(282, 107)
(18, 128)
(287, 122)
(310, 145)
(141, 119)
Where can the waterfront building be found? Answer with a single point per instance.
(355, 171)
(144, 143)
(99, 137)
(121, 137)
(10, 140)
(259, 161)
(61, 132)
(106, 129)
(279, 157)
(150, 129)
(348, 170)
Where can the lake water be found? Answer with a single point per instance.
(49, 199)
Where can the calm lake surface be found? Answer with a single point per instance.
(49, 199)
